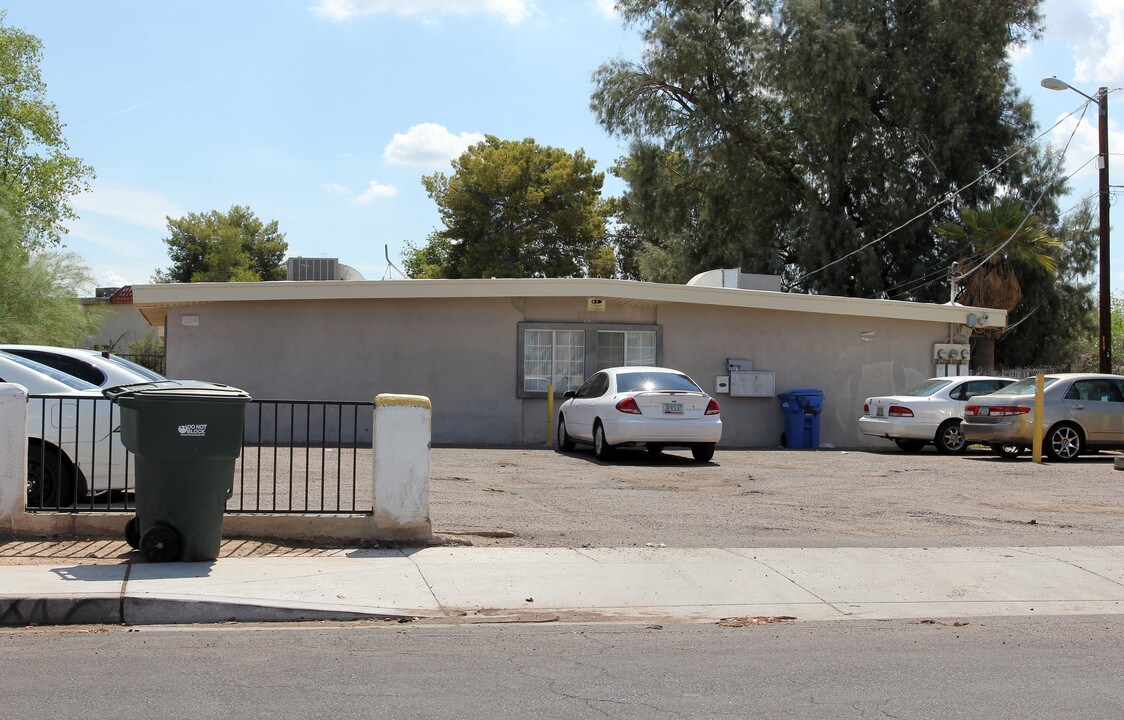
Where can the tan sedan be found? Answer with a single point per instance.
(1080, 412)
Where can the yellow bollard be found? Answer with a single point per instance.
(549, 414)
(1039, 389)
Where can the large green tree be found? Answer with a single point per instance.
(39, 290)
(514, 208)
(783, 136)
(232, 246)
(40, 177)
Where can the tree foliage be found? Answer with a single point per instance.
(35, 170)
(39, 290)
(515, 209)
(783, 136)
(234, 246)
(1000, 243)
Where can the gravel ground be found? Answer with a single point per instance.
(773, 498)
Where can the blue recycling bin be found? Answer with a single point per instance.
(801, 410)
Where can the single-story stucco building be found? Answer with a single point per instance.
(484, 351)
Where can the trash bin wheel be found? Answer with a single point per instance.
(160, 543)
(132, 532)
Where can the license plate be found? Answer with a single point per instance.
(878, 412)
(673, 408)
(982, 411)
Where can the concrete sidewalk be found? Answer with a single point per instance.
(474, 584)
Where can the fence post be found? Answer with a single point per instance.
(13, 453)
(401, 438)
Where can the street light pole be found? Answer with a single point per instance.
(1101, 100)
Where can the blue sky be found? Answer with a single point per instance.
(325, 114)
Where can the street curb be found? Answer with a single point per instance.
(109, 610)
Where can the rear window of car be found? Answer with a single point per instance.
(633, 381)
(926, 388)
(56, 375)
(1023, 387)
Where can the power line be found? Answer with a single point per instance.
(951, 196)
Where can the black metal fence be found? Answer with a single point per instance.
(297, 456)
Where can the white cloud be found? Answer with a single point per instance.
(428, 145)
(607, 8)
(1094, 32)
(111, 279)
(1080, 157)
(336, 189)
(374, 192)
(136, 207)
(512, 11)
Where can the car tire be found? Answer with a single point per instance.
(950, 438)
(1006, 451)
(50, 478)
(565, 442)
(602, 450)
(702, 452)
(1064, 442)
(909, 446)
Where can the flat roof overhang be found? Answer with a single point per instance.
(154, 300)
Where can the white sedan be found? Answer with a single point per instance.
(100, 368)
(74, 438)
(651, 406)
(929, 412)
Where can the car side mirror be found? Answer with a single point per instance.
(569, 394)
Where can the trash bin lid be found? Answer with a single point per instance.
(165, 390)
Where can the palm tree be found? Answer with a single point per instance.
(998, 240)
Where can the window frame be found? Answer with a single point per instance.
(590, 339)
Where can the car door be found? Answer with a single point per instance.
(583, 406)
(1098, 405)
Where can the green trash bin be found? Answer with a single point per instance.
(185, 436)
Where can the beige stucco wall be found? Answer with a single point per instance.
(121, 325)
(462, 354)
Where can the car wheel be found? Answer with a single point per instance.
(950, 438)
(910, 446)
(1007, 452)
(601, 449)
(1063, 442)
(50, 478)
(565, 442)
(702, 452)
(160, 543)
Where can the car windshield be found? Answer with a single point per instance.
(135, 368)
(1023, 387)
(56, 375)
(633, 381)
(926, 388)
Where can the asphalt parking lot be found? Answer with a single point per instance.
(773, 498)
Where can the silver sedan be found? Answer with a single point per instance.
(1081, 411)
(929, 412)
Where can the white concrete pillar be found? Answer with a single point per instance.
(402, 433)
(13, 453)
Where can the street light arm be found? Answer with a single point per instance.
(1052, 83)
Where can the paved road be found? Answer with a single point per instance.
(994, 670)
